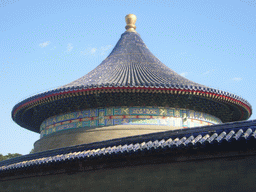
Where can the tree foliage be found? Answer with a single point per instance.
(32, 151)
(12, 155)
(9, 156)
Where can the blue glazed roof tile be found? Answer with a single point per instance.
(131, 64)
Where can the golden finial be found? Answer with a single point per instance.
(130, 20)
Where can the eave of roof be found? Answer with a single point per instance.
(22, 109)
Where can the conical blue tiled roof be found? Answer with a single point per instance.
(132, 64)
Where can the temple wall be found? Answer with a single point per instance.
(225, 174)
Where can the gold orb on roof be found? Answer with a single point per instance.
(130, 20)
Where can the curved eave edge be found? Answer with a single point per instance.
(53, 96)
(113, 86)
(35, 100)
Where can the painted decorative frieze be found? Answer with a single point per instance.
(127, 116)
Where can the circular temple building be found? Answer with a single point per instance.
(131, 110)
(130, 93)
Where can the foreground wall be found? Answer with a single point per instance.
(220, 174)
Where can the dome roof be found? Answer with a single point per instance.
(132, 64)
(130, 67)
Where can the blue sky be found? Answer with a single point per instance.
(46, 44)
